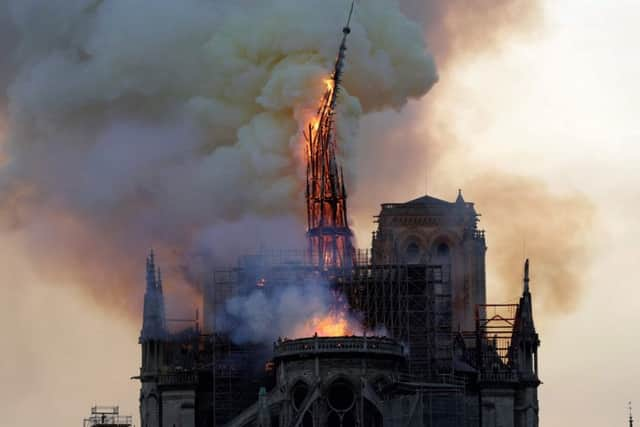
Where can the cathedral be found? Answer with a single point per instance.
(429, 350)
(448, 358)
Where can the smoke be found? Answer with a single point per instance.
(526, 219)
(287, 311)
(410, 145)
(459, 28)
(176, 126)
(424, 151)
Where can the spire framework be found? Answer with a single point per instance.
(328, 233)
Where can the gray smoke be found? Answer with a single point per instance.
(130, 126)
(272, 311)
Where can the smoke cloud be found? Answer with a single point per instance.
(422, 150)
(459, 28)
(292, 311)
(178, 127)
(131, 126)
(526, 219)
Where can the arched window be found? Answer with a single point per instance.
(342, 404)
(341, 396)
(412, 253)
(440, 266)
(442, 249)
(299, 394)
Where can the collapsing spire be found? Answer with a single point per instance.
(328, 231)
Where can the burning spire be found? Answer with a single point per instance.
(328, 232)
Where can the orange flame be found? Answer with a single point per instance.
(332, 325)
(336, 323)
(329, 84)
(311, 120)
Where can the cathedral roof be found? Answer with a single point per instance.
(428, 201)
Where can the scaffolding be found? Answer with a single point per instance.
(107, 416)
(439, 282)
(494, 332)
(408, 302)
(229, 362)
(413, 304)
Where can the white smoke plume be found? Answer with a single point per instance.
(292, 311)
(131, 124)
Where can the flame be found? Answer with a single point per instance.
(336, 323)
(329, 84)
(311, 121)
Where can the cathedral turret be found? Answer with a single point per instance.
(153, 321)
(524, 356)
(152, 335)
(525, 336)
(160, 296)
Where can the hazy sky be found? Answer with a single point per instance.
(559, 105)
(562, 106)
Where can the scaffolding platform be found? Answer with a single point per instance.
(107, 416)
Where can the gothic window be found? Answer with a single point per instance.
(299, 394)
(341, 396)
(342, 405)
(412, 253)
(442, 250)
(307, 420)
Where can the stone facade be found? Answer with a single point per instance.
(431, 231)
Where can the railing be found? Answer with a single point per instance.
(107, 416)
(443, 379)
(502, 375)
(320, 345)
(178, 378)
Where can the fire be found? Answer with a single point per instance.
(328, 230)
(329, 84)
(314, 121)
(334, 324)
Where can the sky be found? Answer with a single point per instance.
(561, 106)
(558, 106)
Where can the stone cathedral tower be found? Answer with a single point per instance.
(431, 231)
(152, 337)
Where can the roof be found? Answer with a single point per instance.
(428, 201)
